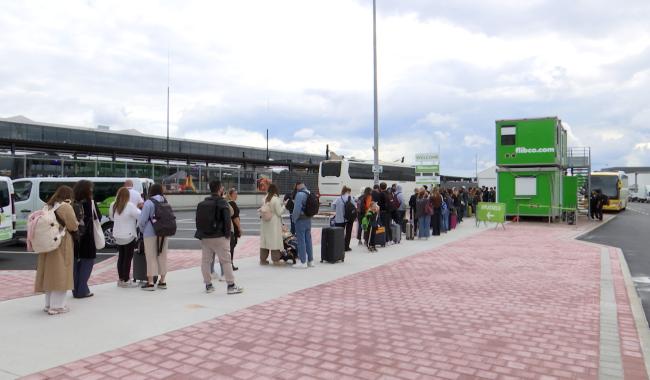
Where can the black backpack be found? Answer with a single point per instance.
(79, 213)
(207, 223)
(164, 221)
(350, 211)
(311, 205)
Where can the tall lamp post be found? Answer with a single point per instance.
(374, 59)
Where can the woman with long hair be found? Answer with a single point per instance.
(155, 253)
(271, 230)
(54, 269)
(363, 205)
(231, 197)
(124, 215)
(85, 251)
(423, 211)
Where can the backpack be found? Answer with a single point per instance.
(265, 212)
(80, 214)
(164, 221)
(311, 205)
(206, 217)
(394, 201)
(44, 232)
(350, 213)
(366, 221)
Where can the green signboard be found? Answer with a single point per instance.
(427, 169)
(491, 212)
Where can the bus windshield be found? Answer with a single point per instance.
(607, 184)
(330, 169)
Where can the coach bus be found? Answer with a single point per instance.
(357, 175)
(614, 185)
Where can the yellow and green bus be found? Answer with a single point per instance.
(614, 185)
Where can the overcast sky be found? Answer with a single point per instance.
(303, 69)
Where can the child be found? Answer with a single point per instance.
(369, 223)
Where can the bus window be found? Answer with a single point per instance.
(360, 171)
(47, 189)
(22, 190)
(330, 169)
(606, 184)
(105, 190)
(397, 173)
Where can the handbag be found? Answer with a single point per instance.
(98, 233)
(381, 230)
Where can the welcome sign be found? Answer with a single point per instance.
(427, 169)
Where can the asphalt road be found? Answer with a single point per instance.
(17, 258)
(630, 232)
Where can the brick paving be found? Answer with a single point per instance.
(517, 304)
(20, 283)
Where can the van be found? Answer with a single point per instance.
(7, 211)
(32, 193)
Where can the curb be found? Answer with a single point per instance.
(590, 229)
(637, 311)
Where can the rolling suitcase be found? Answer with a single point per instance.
(396, 231)
(140, 263)
(452, 223)
(332, 248)
(379, 237)
(410, 231)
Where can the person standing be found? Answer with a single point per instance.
(436, 201)
(423, 211)
(303, 228)
(601, 202)
(341, 219)
(54, 269)
(444, 213)
(213, 228)
(134, 197)
(154, 251)
(593, 205)
(236, 224)
(401, 210)
(85, 250)
(385, 212)
(271, 229)
(364, 202)
(124, 215)
(288, 204)
(376, 193)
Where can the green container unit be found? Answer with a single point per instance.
(570, 192)
(531, 142)
(530, 191)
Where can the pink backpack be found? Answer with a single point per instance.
(44, 233)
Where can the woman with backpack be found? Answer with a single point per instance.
(54, 269)
(363, 204)
(345, 216)
(271, 228)
(124, 215)
(85, 250)
(155, 247)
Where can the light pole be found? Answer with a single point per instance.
(374, 61)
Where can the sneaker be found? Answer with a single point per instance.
(222, 279)
(148, 287)
(162, 285)
(122, 284)
(62, 310)
(299, 266)
(132, 284)
(234, 289)
(311, 264)
(209, 288)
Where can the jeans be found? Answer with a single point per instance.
(424, 230)
(359, 229)
(81, 273)
(303, 235)
(293, 225)
(445, 220)
(124, 259)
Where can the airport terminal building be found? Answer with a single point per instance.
(34, 149)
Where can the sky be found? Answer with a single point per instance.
(303, 70)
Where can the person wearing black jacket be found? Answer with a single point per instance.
(288, 204)
(385, 211)
(85, 250)
(214, 229)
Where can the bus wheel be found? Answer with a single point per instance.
(108, 235)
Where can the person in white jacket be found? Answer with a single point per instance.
(124, 215)
(271, 230)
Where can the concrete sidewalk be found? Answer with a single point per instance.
(117, 317)
(525, 303)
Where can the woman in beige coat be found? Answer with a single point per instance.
(54, 269)
(271, 231)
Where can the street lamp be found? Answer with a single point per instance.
(374, 59)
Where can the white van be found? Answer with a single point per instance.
(7, 211)
(32, 193)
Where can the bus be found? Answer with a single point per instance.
(7, 211)
(357, 175)
(30, 194)
(614, 185)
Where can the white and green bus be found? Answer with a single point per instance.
(7, 211)
(31, 194)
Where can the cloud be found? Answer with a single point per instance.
(642, 146)
(304, 133)
(611, 136)
(475, 141)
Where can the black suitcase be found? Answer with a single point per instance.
(140, 263)
(332, 248)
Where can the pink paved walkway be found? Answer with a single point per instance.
(20, 283)
(515, 304)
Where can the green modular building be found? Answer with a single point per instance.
(532, 159)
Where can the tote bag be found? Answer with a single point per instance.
(98, 233)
